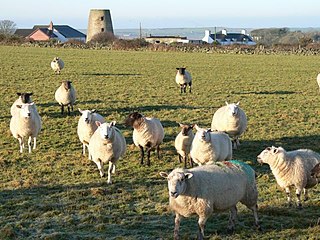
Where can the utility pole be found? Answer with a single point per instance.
(140, 32)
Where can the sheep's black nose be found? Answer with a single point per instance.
(173, 193)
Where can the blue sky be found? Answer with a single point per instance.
(166, 13)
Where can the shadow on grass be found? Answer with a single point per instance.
(143, 109)
(113, 74)
(268, 92)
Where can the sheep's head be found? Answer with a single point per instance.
(134, 119)
(55, 59)
(176, 181)
(25, 97)
(315, 172)
(181, 70)
(87, 115)
(66, 85)
(185, 129)
(233, 108)
(25, 109)
(202, 133)
(106, 130)
(270, 154)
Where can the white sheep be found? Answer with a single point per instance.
(87, 126)
(318, 81)
(291, 169)
(208, 147)
(148, 133)
(65, 95)
(26, 123)
(107, 144)
(183, 143)
(23, 98)
(232, 120)
(57, 65)
(183, 78)
(205, 189)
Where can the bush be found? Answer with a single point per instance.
(103, 38)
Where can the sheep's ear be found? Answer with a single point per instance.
(31, 103)
(238, 103)
(177, 68)
(227, 103)
(19, 106)
(98, 123)
(196, 127)
(180, 124)
(192, 125)
(188, 175)
(113, 123)
(19, 93)
(163, 174)
(80, 110)
(30, 93)
(93, 110)
(209, 130)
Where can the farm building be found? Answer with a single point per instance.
(62, 33)
(225, 38)
(164, 39)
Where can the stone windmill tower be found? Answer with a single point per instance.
(99, 21)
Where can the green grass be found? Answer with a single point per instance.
(56, 193)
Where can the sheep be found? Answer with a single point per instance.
(183, 78)
(318, 81)
(183, 143)
(232, 120)
(148, 134)
(57, 65)
(208, 188)
(107, 144)
(23, 98)
(208, 147)
(26, 123)
(65, 95)
(87, 126)
(291, 169)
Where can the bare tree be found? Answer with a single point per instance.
(7, 27)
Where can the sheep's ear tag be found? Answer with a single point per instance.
(164, 174)
(188, 175)
(98, 123)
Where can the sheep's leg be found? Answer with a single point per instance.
(185, 161)
(34, 142)
(83, 149)
(288, 196)
(158, 151)
(100, 166)
(298, 193)
(69, 110)
(21, 145)
(255, 215)
(141, 154)
(62, 108)
(180, 161)
(185, 88)
(148, 156)
(111, 167)
(190, 83)
(305, 193)
(201, 224)
(191, 162)
(176, 226)
(232, 218)
(29, 143)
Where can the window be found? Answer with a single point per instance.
(102, 18)
(102, 29)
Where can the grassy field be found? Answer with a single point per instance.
(56, 193)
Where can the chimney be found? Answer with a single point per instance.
(50, 26)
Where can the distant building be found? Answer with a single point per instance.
(62, 33)
(225, 38)
(164, 39)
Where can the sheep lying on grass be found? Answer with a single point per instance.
(183, 78)
(148, 133)
(208, 147)
(23, 98)
(291, 169)
(183, 143)
(26, 123)
(65, 95)
(107, 144)
(230, 119)
(87, 126)
(57, 65)
(205, 189)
